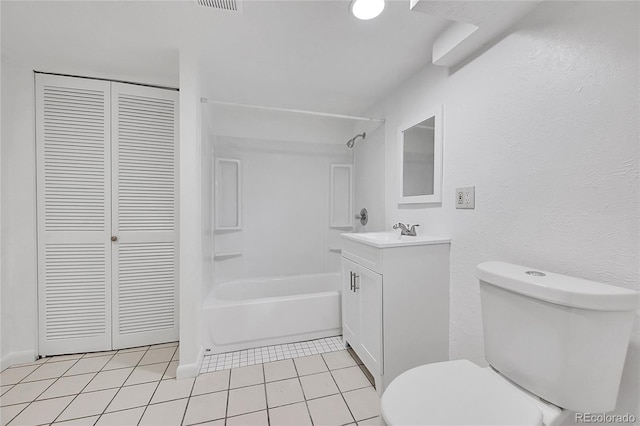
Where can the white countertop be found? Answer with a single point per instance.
(393, 239)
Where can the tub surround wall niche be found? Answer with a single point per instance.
(543, 109)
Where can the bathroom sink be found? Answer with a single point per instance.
(393, 239)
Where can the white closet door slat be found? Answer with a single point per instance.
(74, 215)
(144, 215)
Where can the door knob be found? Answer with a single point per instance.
(114, 238)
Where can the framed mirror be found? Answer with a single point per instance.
(420, 154)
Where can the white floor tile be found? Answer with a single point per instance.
(279, 370)
(124, 360)
(165, 345)
(290, 415)
(171, 370)
(133, 396)
(65, 386)
(318, 385)
(154, 356)
(350, 378)
(375, 421)
(363, 403)
(147, 373)
(88, 404)
(109, 379)
(25, 392)
(41, 412)
(284, 392)
(84, 421)
(88, 365)
(211, 382)
(95, 354)
(339, 359)
(9, 412)
(253, 419)
(246, 400)
(206, 407)
(13, 375)
(165, 414)
(329, 411)
(58, 358)
(4, 389)
(310, 365)
(121, 418)
(247, 376)
(136, 349)
(50, 371)
(172, 389)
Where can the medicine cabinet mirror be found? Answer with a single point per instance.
(421, 159)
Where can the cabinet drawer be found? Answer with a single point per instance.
(362, 254)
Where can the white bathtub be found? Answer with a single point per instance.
(252, 313)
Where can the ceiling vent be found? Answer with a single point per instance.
(230, 5)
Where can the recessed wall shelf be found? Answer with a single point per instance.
(226, 254)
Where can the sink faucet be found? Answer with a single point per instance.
(405, 230)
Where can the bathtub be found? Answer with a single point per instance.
(251, 313)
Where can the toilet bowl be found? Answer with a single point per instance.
(555, 344)
(462, 393)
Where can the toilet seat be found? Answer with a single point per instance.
(455, 393)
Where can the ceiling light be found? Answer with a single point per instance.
(367, 9)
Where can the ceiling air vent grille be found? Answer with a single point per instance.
(230, 5)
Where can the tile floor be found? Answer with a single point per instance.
(137, 387)
(270, 353)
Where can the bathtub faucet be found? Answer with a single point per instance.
(405, 230)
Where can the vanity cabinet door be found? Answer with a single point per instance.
(369, 294)
(350, 315)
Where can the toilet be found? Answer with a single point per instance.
(555, 344)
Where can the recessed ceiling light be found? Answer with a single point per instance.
(367, 9)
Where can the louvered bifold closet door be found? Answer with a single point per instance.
(74, 214)
(144, 215)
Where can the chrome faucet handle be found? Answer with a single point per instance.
(412, 231)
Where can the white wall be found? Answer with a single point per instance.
(192, 210)
(545, 124)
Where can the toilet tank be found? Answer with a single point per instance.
(562, 338)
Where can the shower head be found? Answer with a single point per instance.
(351, 142)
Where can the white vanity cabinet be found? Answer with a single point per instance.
(362, 312)
(395, 301)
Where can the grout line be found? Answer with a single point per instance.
(193, 385)
(85, 386)
(266, 399)
(154, 391)
(226, 410)
(125, 381)
(340, 390)
(304, 396)
(52, 383)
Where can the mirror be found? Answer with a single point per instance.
(421, 160)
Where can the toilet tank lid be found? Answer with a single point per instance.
(555, 288)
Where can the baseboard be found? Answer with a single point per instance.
(186, 371)
(20, 357)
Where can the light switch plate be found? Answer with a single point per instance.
(466, 197)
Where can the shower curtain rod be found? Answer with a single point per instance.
(297, 111)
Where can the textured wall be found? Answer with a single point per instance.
(544, 123)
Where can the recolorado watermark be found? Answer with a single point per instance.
(605, 418)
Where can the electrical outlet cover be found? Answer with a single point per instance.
(466, 197)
